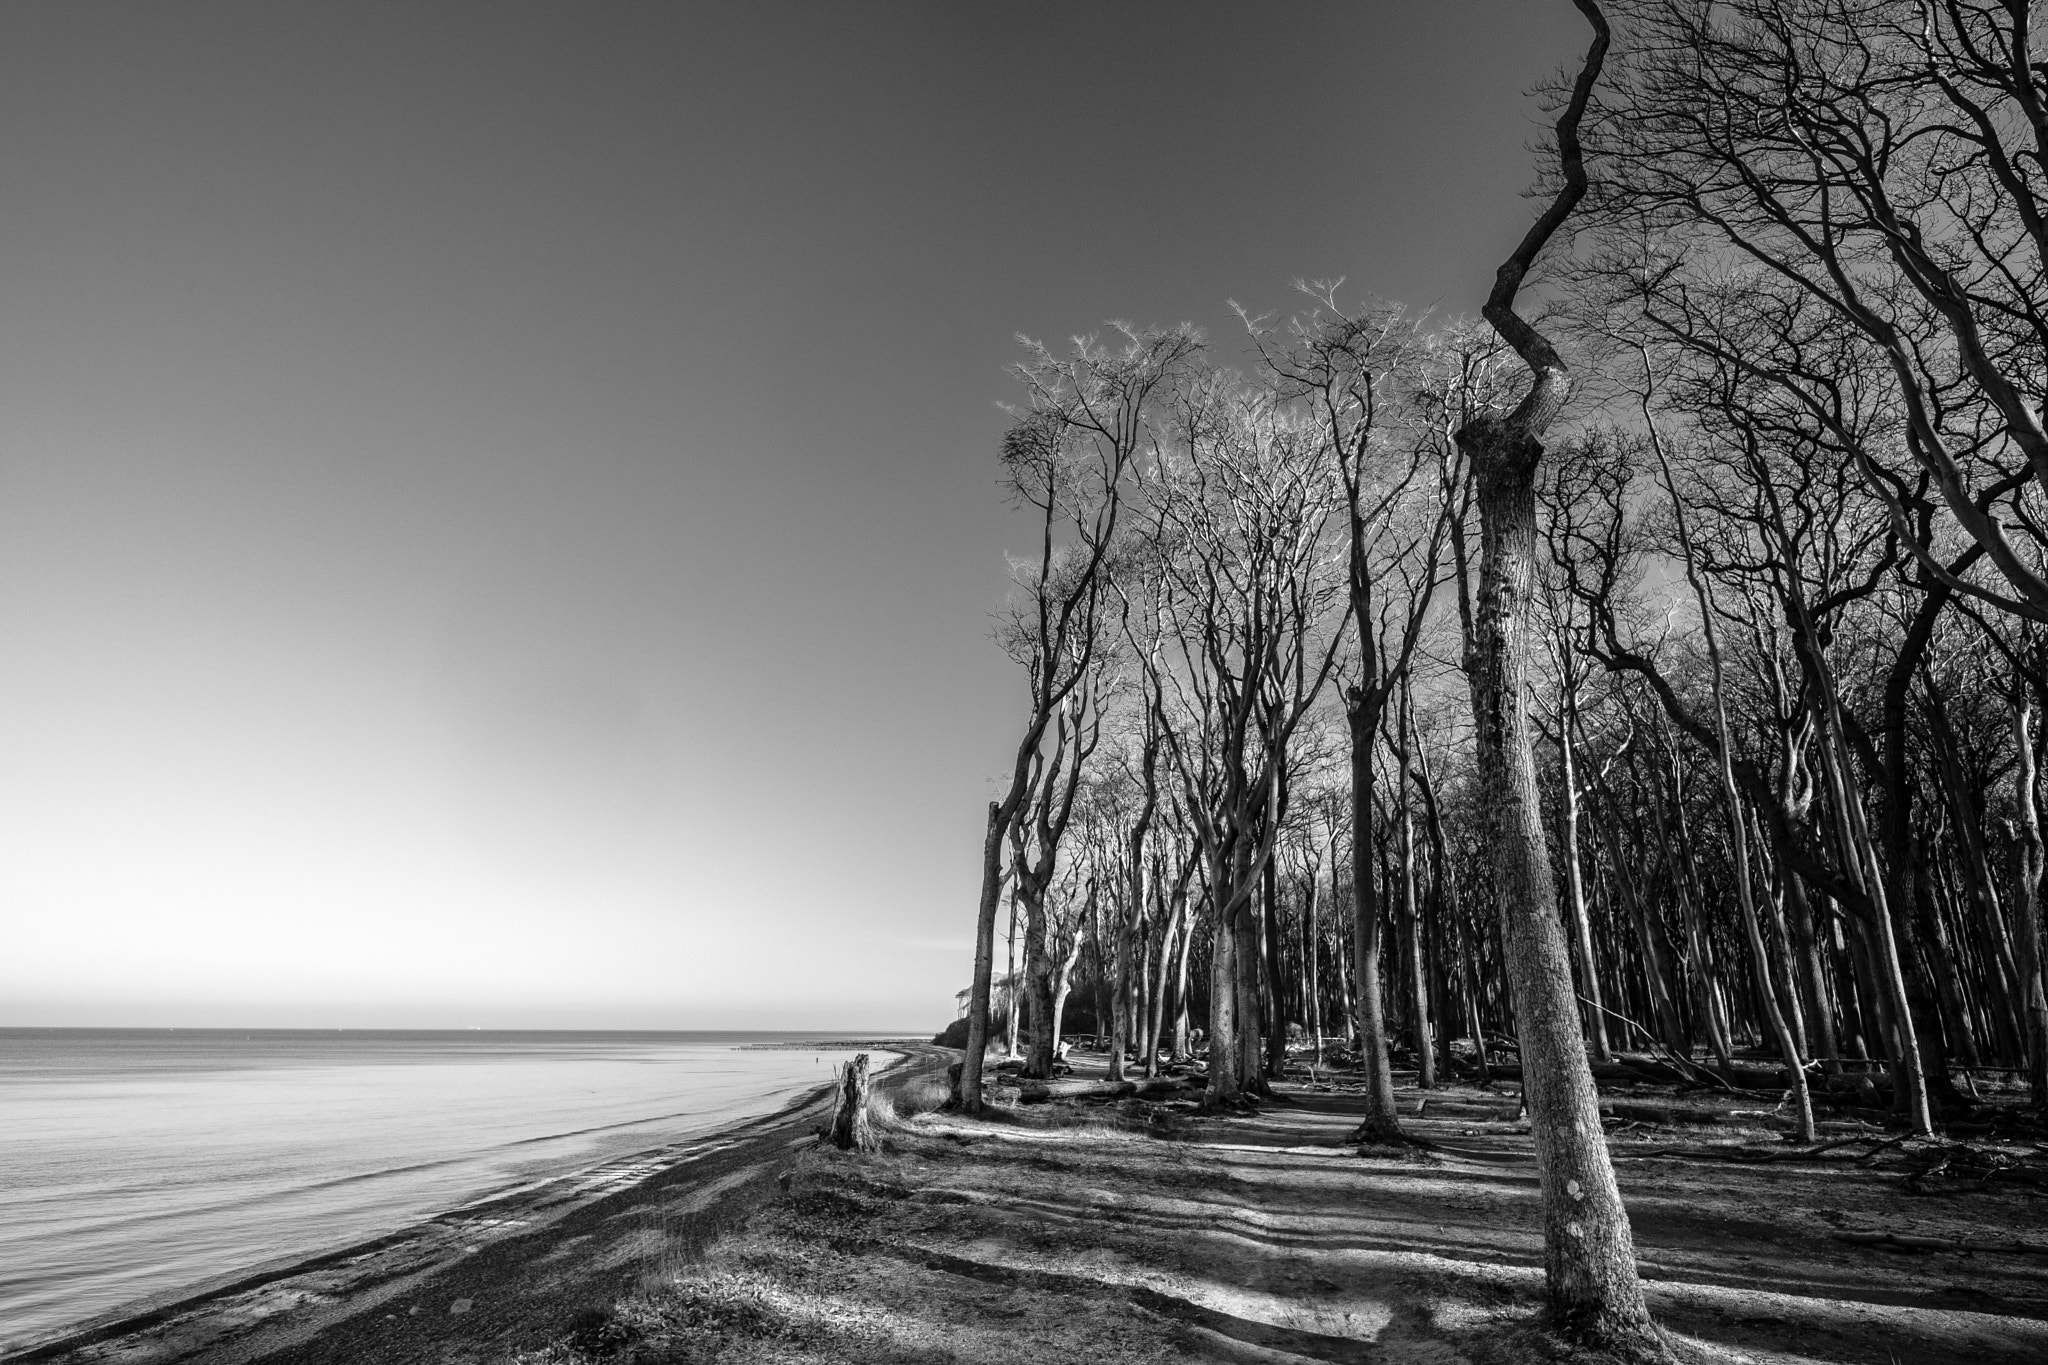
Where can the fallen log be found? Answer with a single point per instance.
(1038, 1092)
(1664, 1114)
(1915, 1242)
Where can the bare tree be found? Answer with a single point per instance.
(1240, 516)
(1875, 166)
(1354, 372)
(1589, 1252)
(1067, 457)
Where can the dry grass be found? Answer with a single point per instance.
(890, 1105)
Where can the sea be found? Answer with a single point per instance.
(136, 1162)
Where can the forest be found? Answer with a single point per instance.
(1643, 677)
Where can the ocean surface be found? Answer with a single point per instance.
(134, 1162)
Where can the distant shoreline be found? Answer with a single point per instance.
(812, 1042)
(221, 1313)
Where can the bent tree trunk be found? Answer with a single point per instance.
(1588, 1250)
(1589, 1259)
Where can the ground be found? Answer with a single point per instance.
(1131, 1229)
(1140, 1231)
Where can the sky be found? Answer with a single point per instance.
(499, 517)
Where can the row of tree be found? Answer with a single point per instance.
(1709, 728)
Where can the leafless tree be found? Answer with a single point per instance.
(1068, 457)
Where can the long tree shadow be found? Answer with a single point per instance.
(1731, 1270)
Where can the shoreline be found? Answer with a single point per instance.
(258, 1309)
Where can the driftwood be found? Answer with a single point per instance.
(851, 1129)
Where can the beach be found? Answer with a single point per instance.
(1130, 1229)
(256, 1157)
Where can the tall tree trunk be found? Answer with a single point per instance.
(1381, 1122)
(1909, 1074)
(1589, 1252)
(1738, 836)
(1014, 991)
(984, 959)
(1311, 949)
(1820, 1017)
(1418, 976)
(1589, 972)
(2026, 899)
(1182, 1044)
(1225, 1080)
(1275, 958)
(1038, 980)
(1169, 939)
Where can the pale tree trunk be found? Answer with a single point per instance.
(1699, 950)
(1311, 949)
(1175, 934)
(1588, 1250)
(1016, 996)
(1120, 1036)
(1417, 972)
(1909, 1073)
(1163, 982)
(2027, 898)
(1752, 927)
(1224, 1083)
(1589, 972)
(1183, 1047)
(1738, 829)
(1062, 986)
(1275, 957)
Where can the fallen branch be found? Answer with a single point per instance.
(1685, 1066)
(1915, 1242)
(1758, 1156)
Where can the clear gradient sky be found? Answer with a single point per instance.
(498, 505)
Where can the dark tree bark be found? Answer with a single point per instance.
(984, 959)
(1381, 1123)
(851, 1129)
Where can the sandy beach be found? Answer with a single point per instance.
(514, 1266)
(1138, 1230)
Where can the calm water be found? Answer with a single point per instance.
(137, 1161)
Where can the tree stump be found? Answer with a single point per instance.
(851, 1130)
